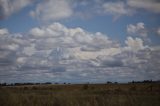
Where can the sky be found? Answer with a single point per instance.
(79, 41)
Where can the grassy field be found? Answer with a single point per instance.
(81, 95)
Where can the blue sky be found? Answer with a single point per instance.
(79, 40)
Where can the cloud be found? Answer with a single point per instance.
(55, 10)
(106, 61)
(52, 10)
(158, 31)
(126, 7)
(53, 30)
(56, 52)
(3, 32)
(142, 64)
(150, 5)
(138, 29)
(117, 8)
(8, 7)
(29, 50)
(134, 44)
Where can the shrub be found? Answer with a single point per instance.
(85, 86)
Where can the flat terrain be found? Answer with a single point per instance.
(81, 95)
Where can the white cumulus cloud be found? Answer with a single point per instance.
(138, 29)
(9, 7)
(3, 32)
(134, 44)
(117, 8)
(150, 5)
(52, 10)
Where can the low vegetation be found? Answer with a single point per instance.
(81, 95)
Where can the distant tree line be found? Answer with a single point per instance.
(30, 83)
(145, 81)
(48, 83)
(20, 84)
(109, 82)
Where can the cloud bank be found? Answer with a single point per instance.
(58, 53)
(53, 10)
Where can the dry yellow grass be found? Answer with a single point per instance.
(81, 95)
